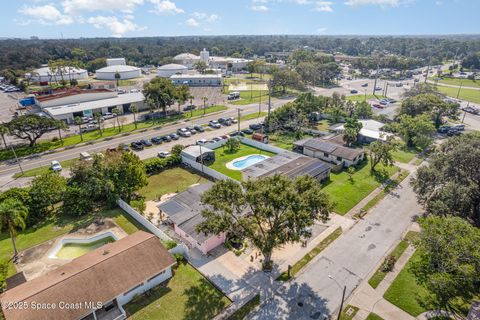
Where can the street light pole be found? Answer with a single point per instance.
(16, 158)
(343, 295)
(269, 103)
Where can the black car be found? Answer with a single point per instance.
(167, 138)
(157, 140)
(192, 129)
(146, 143)
(237, 133)
(137, 146)
(199, 128)
(453, 132)
(123, 147)
(444, 129)
(227, 123)
(247, 131)
(255, 126)
(190, 107)
(174, 136)
(222, 120)
(353, 91)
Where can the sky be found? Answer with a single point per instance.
(138, 18)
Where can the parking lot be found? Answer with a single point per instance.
(8, 104)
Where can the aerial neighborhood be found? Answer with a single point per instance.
(237, 177)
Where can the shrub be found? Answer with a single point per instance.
(389, 263)
(157, 165)
(170, 244)
(179, 257)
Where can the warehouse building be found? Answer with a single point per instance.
(125, 72)
(46, 74)
(197, 80)
(186, 59)
(168, 70)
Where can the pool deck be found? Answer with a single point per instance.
(36, 261)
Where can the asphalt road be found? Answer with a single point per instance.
(316, 293)
(12, 167)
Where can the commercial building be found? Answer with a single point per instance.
(125, 72)
(329, 151)
(95, 285)
(197, 80)
(184, 214)
(290, 164)
(186, 59)
(46, 74)
(68, 104)
(168, 70)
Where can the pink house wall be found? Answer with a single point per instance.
(209, 244)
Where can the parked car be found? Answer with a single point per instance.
(174, 136)
(164, 154)
(191, 129)
(146, 143)
(247, 131)
(216, 139)
(123, 147)
(237, 133)
(458, 127)
(233, 120)
(233, 96)
(353, 91)
(225, 137)
(255, 126)
(227, 123)
(214, 124)
(189, 108)
(85, 156)
(183, 132)
(365, 85)
(157, 140)
(444, 129)
(453, 132)
(378, 88)
(137, 146)
(166, 138)
(377, 105)
(199, 128)
(56, 166)
(222, 120)
(201, 142)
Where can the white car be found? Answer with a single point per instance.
(164, 154)
(201, 142)
(56, 166)
(184, 132)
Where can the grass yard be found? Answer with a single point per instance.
(323, 125)
(348, 313)
(250, 97)
(107, 133)
(312, 254)
(465, 94)
(57, 226)
(42, 170)
(244, 310)
(252, 116)
(379, 275)
(405, 293)
(285, 140)
(458, 81)
(404, 155)
(346, 192)
(361, 97)
(187, 295)
(374, 316)
(222, 157)
(169, 181)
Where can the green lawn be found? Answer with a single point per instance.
(465, 94)
(285, 140)
(312, 254)
(379, 275)
(187, 295)
(57, 226)
(42, 170)
(374, 316)
(169, 181)
(347, 193)
(323, 125)
(405, 293)
(457, 81)
(222, 157)
(249, 97)
(348, 313)
(243, 311)
(106, 133)
(254, 115)
(404, 155)
(361, 97)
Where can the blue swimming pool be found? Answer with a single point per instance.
(248, 161)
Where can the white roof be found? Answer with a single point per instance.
(196, 76)
(172, 66)
(186, 56)
(374, 134)
(96, 104)
(45, 71)
(117, 68)
(371, 129)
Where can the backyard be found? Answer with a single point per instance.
(187, 295)
(222, 157)
(169, 181)
(346, 192)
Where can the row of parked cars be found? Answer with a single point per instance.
(217, 124)
(9, 88)
(452, 130)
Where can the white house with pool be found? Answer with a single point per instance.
(95, 285)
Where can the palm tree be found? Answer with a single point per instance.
(13, 214)
(134, 109)
(98, 118)
(205, 99)
(191, 104)
(117, 112)
(79, 121)
(3, 132)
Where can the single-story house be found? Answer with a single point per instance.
(95, 285)
(329, 151)
(371, 131)
(290, 164)
(184, 212)
(197, 154)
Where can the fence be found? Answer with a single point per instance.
(260, 145)
(205, 170)
(141, 219)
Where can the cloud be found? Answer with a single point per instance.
(165, 7)
(392, 3)
(192, 22)
(259, 8)
(321, 30)
(323, 6)
(75, 6)
(116, 26)
(205, 16)
(46, 14)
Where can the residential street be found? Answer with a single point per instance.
(316, 293)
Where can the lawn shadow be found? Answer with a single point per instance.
(144, 300)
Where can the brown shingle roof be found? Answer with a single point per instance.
(98, 276)
(68, 93)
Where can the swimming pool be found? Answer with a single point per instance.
(247, 161)
(74, 248)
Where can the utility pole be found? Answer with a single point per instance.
(341, 304)
(376, 78)
(16, 158)
(426, 76)
(201, 157)
(459, 88)
(269, 103)
(238, 109)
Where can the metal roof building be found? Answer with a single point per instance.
(125, 72)
(168, 70)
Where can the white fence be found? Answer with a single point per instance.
(260, 145)
(141, 219)
(205, 170)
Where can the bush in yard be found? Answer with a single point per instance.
(232, 145)
(388, 264)
(170, 244)
(157, 165)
